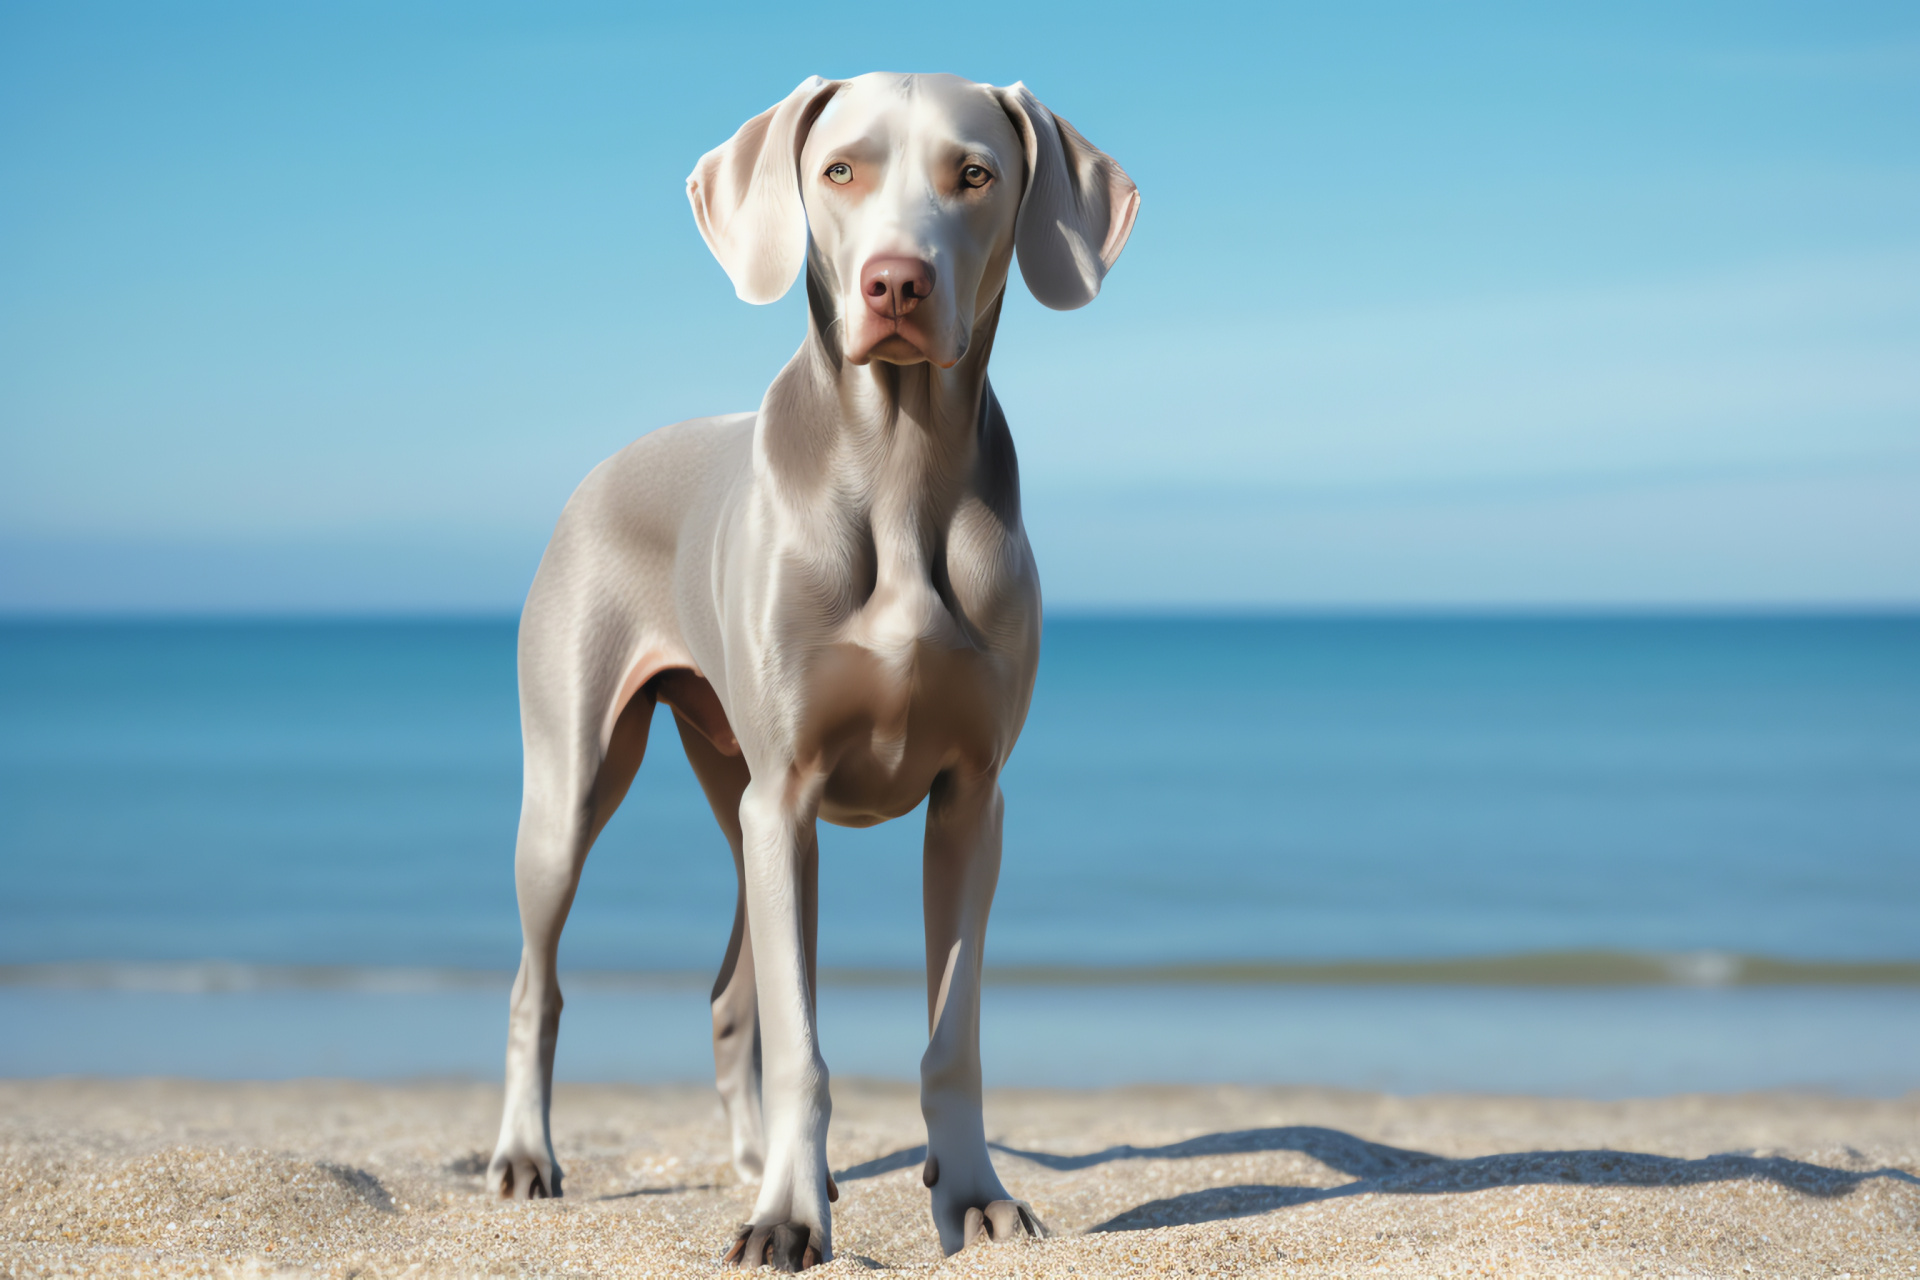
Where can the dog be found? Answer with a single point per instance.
(836, 597)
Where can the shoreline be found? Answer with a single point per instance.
(1594, 1042)
(175, 1177)
(1575, 969)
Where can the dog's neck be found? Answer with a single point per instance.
(880, 460)
(902, 442)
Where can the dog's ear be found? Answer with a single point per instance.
(746, 195)
(1078, 208)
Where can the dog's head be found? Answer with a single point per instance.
(907, 197)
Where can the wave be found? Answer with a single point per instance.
(1532, 969)
(1536, 969)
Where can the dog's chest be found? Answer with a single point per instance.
(901, 694)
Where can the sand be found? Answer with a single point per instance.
(340, 1179)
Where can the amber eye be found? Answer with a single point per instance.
(840, 174)
(974, 176)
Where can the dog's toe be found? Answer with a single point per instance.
(785, 1246)
(1001, 1220)
(523, 1176)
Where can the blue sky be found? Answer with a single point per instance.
(328, 306)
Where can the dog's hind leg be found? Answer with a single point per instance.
(736, 1009)
(570, 795)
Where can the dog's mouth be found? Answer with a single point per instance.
(896, 348)
(896, 341)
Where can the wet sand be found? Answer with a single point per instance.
(339, 1178)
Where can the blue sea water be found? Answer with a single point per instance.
(1618, 1042)
(1187, 789)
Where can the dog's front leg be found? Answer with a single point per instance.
(792, 1226)
(962, 865)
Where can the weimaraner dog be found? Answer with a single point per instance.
(836, 597)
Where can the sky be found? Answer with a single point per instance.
(315, 307)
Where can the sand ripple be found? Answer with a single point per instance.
(341, 1179)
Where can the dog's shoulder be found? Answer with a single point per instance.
(673, 459)
(693, 443)
(649, 488)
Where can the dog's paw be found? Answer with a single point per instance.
(519, 1174)
(969, 1210)
(1001, 1220)
(784, 1246)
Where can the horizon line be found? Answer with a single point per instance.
(1592, 968)
(1413, 610)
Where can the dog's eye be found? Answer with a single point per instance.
(974, 176)
(840, 174)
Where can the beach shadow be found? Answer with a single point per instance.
(1378, 1169)
(1520, 1168)
(905, 1158)
(1383, 1170)
(361, 1183)
(1342, 1151)
(637, 1192)
(1353, 1156)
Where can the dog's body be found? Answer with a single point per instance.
(836, 597)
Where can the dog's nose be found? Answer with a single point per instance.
(894, 286)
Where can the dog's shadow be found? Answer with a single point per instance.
(1378, 1169)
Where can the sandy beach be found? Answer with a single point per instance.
(347, 1179)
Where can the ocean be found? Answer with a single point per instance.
(232, 848)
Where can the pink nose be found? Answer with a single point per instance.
(894, 286)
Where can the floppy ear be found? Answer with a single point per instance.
(746, 195)
(1078, 208)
